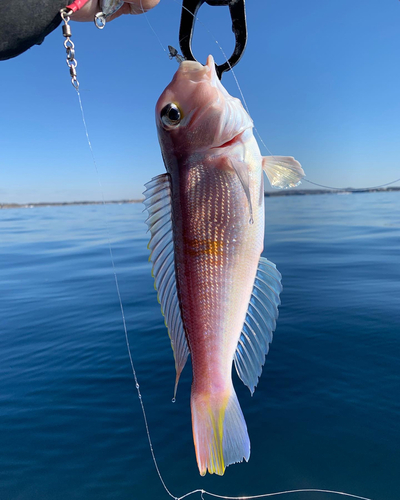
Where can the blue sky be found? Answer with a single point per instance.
(321, 79)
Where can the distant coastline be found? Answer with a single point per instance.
(286, 192)
(66, 203)
(304, 192)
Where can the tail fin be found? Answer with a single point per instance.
(219, 431)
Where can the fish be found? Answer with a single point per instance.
(218, 295)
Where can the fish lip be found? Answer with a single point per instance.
(232, 142)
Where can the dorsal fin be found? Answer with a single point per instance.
(161, 245)
(259, 324)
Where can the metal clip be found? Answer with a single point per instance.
(69, 46)
(239, 28)
(100, 20)
(108, 8)
(173, 54)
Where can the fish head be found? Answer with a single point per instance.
(195, 113)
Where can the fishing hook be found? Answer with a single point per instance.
(238, 15)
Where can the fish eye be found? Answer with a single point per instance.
(171, 115)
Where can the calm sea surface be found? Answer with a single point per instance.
(326, 413)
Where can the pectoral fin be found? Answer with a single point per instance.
(283, 171)
(158, 205)
(242, 171)
(259, 324)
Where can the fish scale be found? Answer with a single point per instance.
(220, 298)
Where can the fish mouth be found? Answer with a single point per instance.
(231, 142)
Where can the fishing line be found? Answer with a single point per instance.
(266, 495)
(151, 27)
(255, 128)
(120, 301)
(201, 491)
(352, 190)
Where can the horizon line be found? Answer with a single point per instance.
(297, 192)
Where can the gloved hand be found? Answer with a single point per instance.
(87, 12)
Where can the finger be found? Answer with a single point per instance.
(141, 6)
(134, 7)
(87, 12)
(125, 9)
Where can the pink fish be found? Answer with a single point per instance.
(218, 295)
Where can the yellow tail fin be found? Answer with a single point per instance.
(219, 431)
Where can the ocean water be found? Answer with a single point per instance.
(326, 413)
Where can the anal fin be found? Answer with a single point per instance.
(259, 324)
